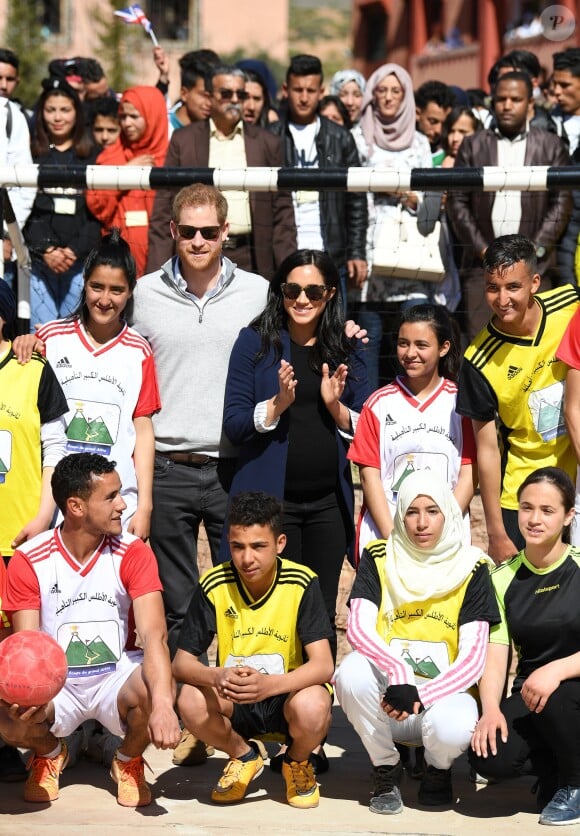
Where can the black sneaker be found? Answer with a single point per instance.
(564, 808)
(436, 789)
(386, 798)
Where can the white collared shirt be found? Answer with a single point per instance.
(506, 213)
(181, 284)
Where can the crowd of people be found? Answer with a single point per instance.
(223, 357)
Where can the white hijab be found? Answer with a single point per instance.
(414, 574)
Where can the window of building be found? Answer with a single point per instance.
(49, 14)
(170, 18)
(374, 23)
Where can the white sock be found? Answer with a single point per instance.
(123, 758)
(55, 752)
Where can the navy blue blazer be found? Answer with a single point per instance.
(262, 457)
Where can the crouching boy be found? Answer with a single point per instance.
(274, 659)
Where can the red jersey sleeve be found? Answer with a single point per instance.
(365, 448)
(22, 587)
(138, 571)
(468, 449)
(569, 349)
(149, 399)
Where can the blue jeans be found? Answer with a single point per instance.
(54, 295)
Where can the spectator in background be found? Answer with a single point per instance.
(459, 123)
(9, 68)
(523, 59)
(333, 108)
(479, 217)
(388, 126)
(333, 221)
(60, 231)
(258, 109)
(143, 141)
(194, 102)
(15, 150)
(433, 101)
(262, 230)
(94, 80)
(104, 121)
(566, 80)
(349, 86)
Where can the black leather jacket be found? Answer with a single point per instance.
(343, 215)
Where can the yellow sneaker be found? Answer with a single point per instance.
(301, 787)
(233, 784)
(190, 751)
(132, 788)
(42, 782)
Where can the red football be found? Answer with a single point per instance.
(33, 668)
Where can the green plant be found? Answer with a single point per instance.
(24, 36)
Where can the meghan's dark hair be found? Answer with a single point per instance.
(331, 345)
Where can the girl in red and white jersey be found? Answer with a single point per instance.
(411, 424)
(107, 373)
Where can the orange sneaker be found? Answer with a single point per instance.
(42, 782)
(132, 788)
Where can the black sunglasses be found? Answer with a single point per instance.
(227, 95)
(314, 292)
(210, 233)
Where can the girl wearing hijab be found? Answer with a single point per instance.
(420, 610)
(143, 141)
(388, 126)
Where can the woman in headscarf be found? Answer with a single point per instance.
(143, 141)
(388, 126)
(420, 611)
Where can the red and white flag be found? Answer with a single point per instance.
(135, 14)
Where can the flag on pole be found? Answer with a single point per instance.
(135, 14)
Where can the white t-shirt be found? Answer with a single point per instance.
(306, 203)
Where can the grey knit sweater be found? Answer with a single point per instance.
(191, 345)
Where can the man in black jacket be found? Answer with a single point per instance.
(334, 221)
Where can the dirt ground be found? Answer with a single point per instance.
(479, 538)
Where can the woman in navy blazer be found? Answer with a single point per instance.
(294, 390)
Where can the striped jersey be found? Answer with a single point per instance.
(106, 387)
(520, 382)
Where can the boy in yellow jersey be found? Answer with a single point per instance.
(511, 375)
(274, 659)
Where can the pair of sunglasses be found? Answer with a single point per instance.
(226, 95)
(209, 233)
(314, 292)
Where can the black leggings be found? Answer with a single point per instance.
(545, 744)
(317, 538)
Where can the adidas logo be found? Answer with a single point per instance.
(389, 420)
(513, 371)
(63, 363)
(54, 590)
(230, 613)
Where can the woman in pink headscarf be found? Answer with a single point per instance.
(388, 126)
(143, 141)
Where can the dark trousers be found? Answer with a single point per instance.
(317, 538)
(183, 497)
(510, 522)
(545, 744)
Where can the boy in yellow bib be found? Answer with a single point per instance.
(274, 657)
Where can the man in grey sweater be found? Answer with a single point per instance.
(191, 311)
